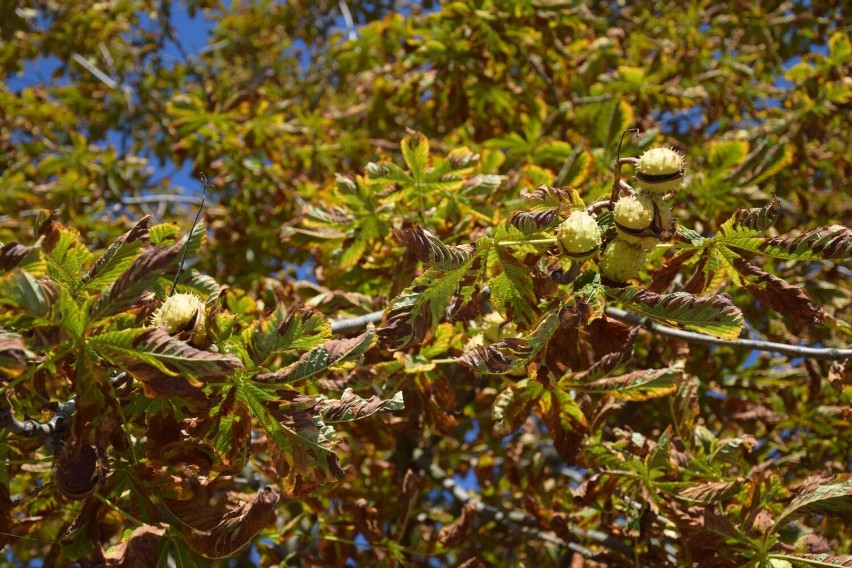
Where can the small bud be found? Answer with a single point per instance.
(579, 236)
(660, 170)
(622, 260)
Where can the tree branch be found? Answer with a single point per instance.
(824, 353)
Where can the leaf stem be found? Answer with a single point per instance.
(115, 508)
(548, 241)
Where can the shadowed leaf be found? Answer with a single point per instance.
(140, 549)
(14, 355)
(419, 308)
(302, 328)
(455, 533)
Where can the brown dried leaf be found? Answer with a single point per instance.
(430, 250)
(498, 357)
(783, 297)
(529, 222)
(236, 528)
(711, 492)
(79, 469)
(140, 550)
(455, 534)
(662, 277)
(758, 218)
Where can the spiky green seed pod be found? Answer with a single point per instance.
(633, 216)
(579, 236)
(622, 260)
(642, 219)
(182, 313)
(660, 171)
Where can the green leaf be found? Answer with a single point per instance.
(511, 285)
(513, 405)
(637, 385)
(320, 359)
(353, 407)
(716, 316)
(727, 154)
(512, 353)
(831, 499)
(117, 258)
(302, 459)
(302, 328)
(576, 169)
(141, 351)
(415, 152)
(20, 289)
(66, 255)
(431, 251)
(420, 307)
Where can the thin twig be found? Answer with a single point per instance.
(523, 521)
(824, 353)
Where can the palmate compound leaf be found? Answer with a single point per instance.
(353, 407)
(785, 298)
(511, 353)
(319, 360)
(430, 250)
(637, 385)
(419, 308)
(298, 437)
(150, 353)
(716, 316)
(830, 499)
